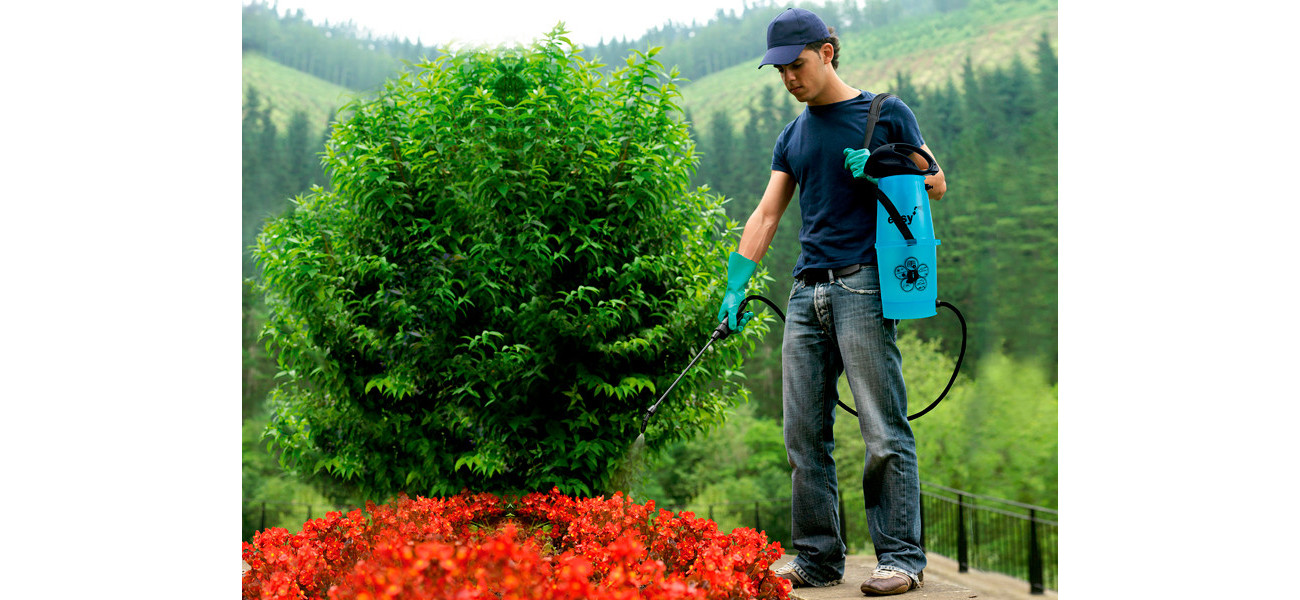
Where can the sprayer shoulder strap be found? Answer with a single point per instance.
(872, 118)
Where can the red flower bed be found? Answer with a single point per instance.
(539, 546)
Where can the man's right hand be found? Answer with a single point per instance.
(739, 270)
(730, 305)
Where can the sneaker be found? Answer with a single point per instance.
(787, 571)
(887, 582)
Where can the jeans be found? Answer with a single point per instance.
(833, 328)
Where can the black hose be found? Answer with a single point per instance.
(723, 330)
(955, 370)
(741, 309)
(961, 355)
(951, 380)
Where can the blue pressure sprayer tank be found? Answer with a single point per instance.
(905, 242)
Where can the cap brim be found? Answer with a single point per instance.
(781, 55)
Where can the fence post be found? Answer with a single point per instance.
(758, 523)
(711, 513)
(1035, 556)
(962, 562)
(263, 528)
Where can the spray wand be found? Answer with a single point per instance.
(721, 332)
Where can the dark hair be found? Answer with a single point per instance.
(834, 41)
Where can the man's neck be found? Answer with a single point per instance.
(838, 92)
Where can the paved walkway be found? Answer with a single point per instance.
(942, 582)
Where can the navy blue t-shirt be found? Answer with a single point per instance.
(839, 217)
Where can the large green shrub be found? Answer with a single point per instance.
(510, 267)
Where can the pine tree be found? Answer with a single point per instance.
(1046, 64)
(271, 171)
(717, 166)
(255, 169)
(300, 149)
(251, 126)
(904, 89)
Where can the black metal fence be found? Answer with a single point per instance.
(989, 534)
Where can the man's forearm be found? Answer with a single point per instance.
(757, 236)
(761, 226)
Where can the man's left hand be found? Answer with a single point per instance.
(855, 161)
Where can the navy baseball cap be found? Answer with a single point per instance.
(789, 32)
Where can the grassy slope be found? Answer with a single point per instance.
(289, 90)
(932, 49)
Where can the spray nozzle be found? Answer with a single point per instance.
(722, 331)
(646, 419)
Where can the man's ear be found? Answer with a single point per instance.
(828, 53)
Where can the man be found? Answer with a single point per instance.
(834, 321)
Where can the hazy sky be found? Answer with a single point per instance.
(512, 21)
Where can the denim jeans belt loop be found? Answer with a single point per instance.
(826, 275)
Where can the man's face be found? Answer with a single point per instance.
(805, 78)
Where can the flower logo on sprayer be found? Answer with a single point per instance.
(911, 274)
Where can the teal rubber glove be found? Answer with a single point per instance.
(739, 270)
(856, 163)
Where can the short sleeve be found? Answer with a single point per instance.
(780, 162)
(902, 123)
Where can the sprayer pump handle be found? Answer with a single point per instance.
(891, 157)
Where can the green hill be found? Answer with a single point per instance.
(289, 90)
(931, 50)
